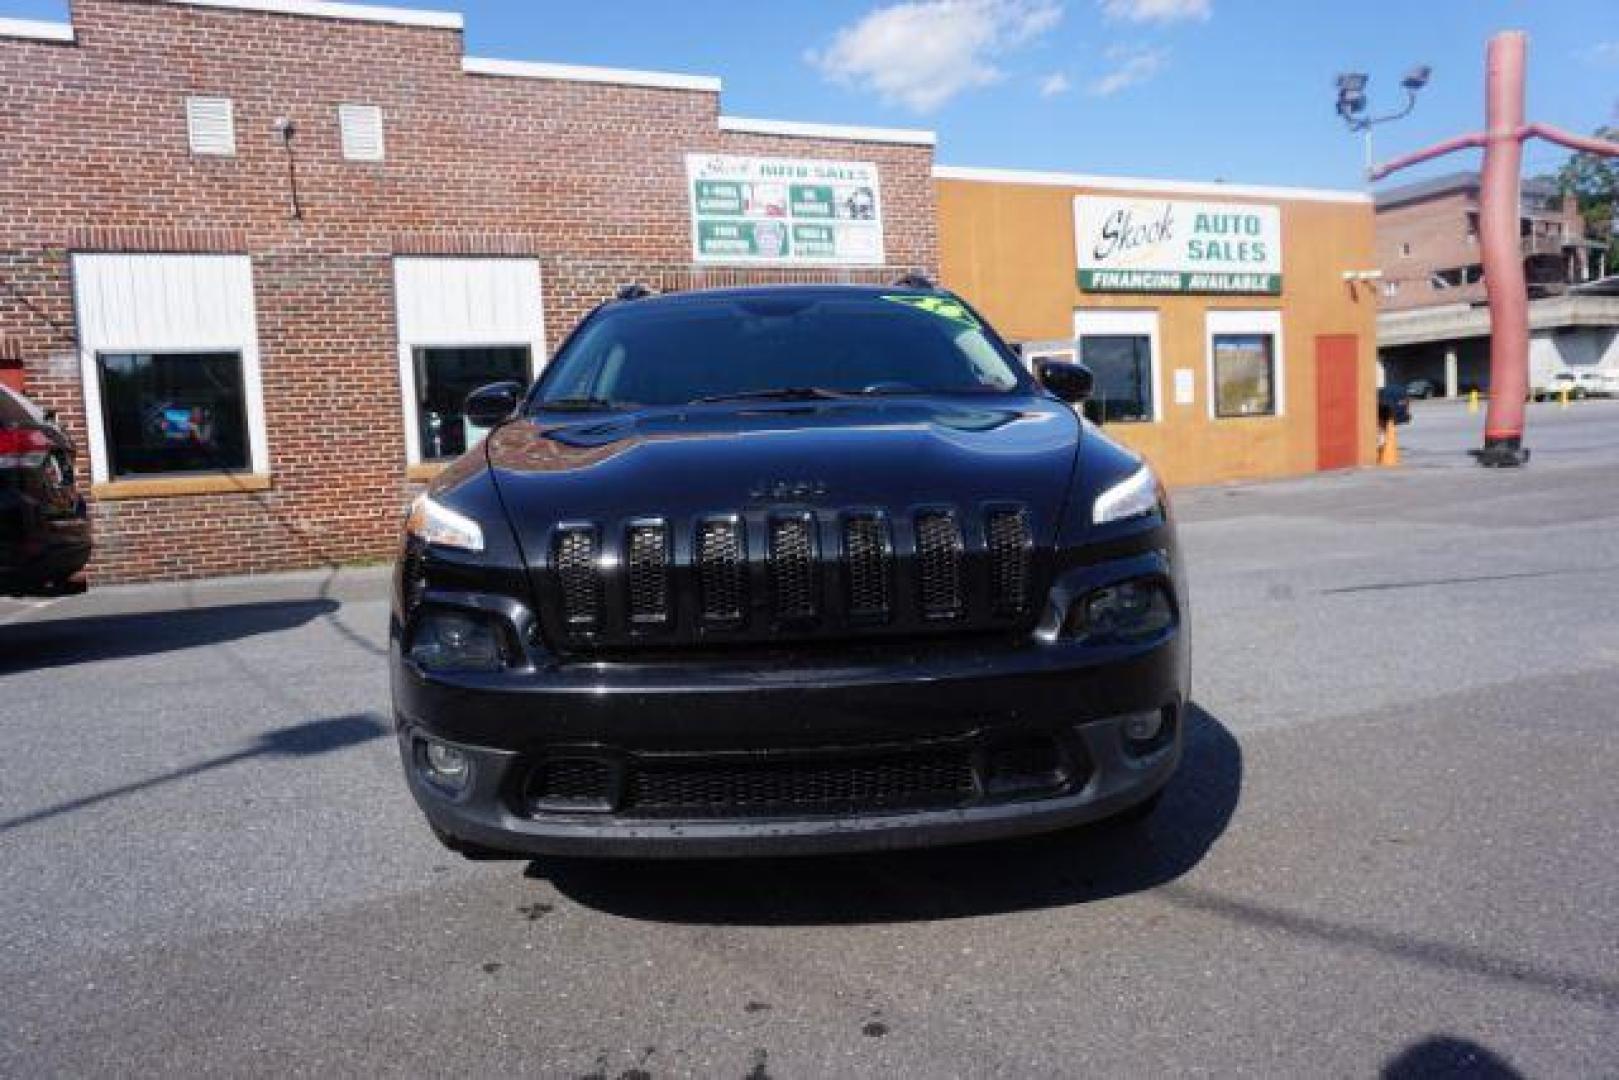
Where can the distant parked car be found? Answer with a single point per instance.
(1599, 383)
(1422, 389)
(1559, 383)
(44, 526)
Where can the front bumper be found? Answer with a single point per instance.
(971, 699)
(485, 814)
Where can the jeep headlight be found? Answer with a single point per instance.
(1134, 496)
(434, 523)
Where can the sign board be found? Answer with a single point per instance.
(784, 210)
(1175, 246)
(1185, 388)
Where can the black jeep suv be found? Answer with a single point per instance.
(786, 569)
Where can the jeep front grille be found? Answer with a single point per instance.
(722, 569)
(938, 561)
(1010, 549)
(648, 573)
(868, 563)
(579, 574)
(766, 576)
(793, 565)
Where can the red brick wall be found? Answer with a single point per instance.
(590, 178)
(1436, 232)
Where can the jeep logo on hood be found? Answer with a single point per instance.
(787, 490)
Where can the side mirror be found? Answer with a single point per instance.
(489, 405)
(1069, 380)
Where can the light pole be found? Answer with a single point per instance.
(1352, 103)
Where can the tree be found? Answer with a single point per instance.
(1594, 183)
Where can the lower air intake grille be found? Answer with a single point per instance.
(1009, 548)
(863, 782)
(722, 570)
(649, 574)
(579, 576)
(572, 783)
(938, 564)
(868, 558)
(792, 566)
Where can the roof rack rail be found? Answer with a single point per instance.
(914, 280)
(633, 291)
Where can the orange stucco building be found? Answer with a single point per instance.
(1232, 329)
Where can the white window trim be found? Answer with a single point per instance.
(1142, 322)
(1245, 322)
(93, 346)
(408, 345)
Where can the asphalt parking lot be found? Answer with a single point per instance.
(1393, 848)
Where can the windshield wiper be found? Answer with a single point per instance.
(782, 393)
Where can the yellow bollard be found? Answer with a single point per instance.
(1388, 450)
(1562, 398)
(1472, 401)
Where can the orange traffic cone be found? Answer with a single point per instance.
(1388, 449)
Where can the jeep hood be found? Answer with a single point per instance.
(679, 463)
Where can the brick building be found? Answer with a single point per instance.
(1432, 325)
(253, 251)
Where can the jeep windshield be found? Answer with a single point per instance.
(798, 346)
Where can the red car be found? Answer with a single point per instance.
(44, 525)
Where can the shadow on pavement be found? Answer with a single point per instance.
(1064, 868)
(63, 642)
(1444, 1057)
(298, 740)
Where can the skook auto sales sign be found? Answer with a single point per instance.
(1175, 246)
(783, 210)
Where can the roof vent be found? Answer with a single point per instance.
(211, 126)
(361, 126)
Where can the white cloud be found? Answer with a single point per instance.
(1130, 66)
(1157, 11)
(1603, 54)
(1055, 85)
(922, 53)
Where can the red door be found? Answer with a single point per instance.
(1337, 401)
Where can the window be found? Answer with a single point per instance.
(1245, 363)
(463, 322)
(1244, 375)
(1121, 349)
(1122, 365)
(1405, 250)
(361, 129)
(1391, 288)
(167, 413)
(444, 378)
(211, 126)
(169, 356)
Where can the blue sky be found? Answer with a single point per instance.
(1239, 90)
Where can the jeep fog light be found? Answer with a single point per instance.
(444, 765)
(1128, 612)
(451, 641)
(1143, 727)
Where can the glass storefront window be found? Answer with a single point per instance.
(169, 413)
(1244, 375)
(444, 378)
(1122, 365)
